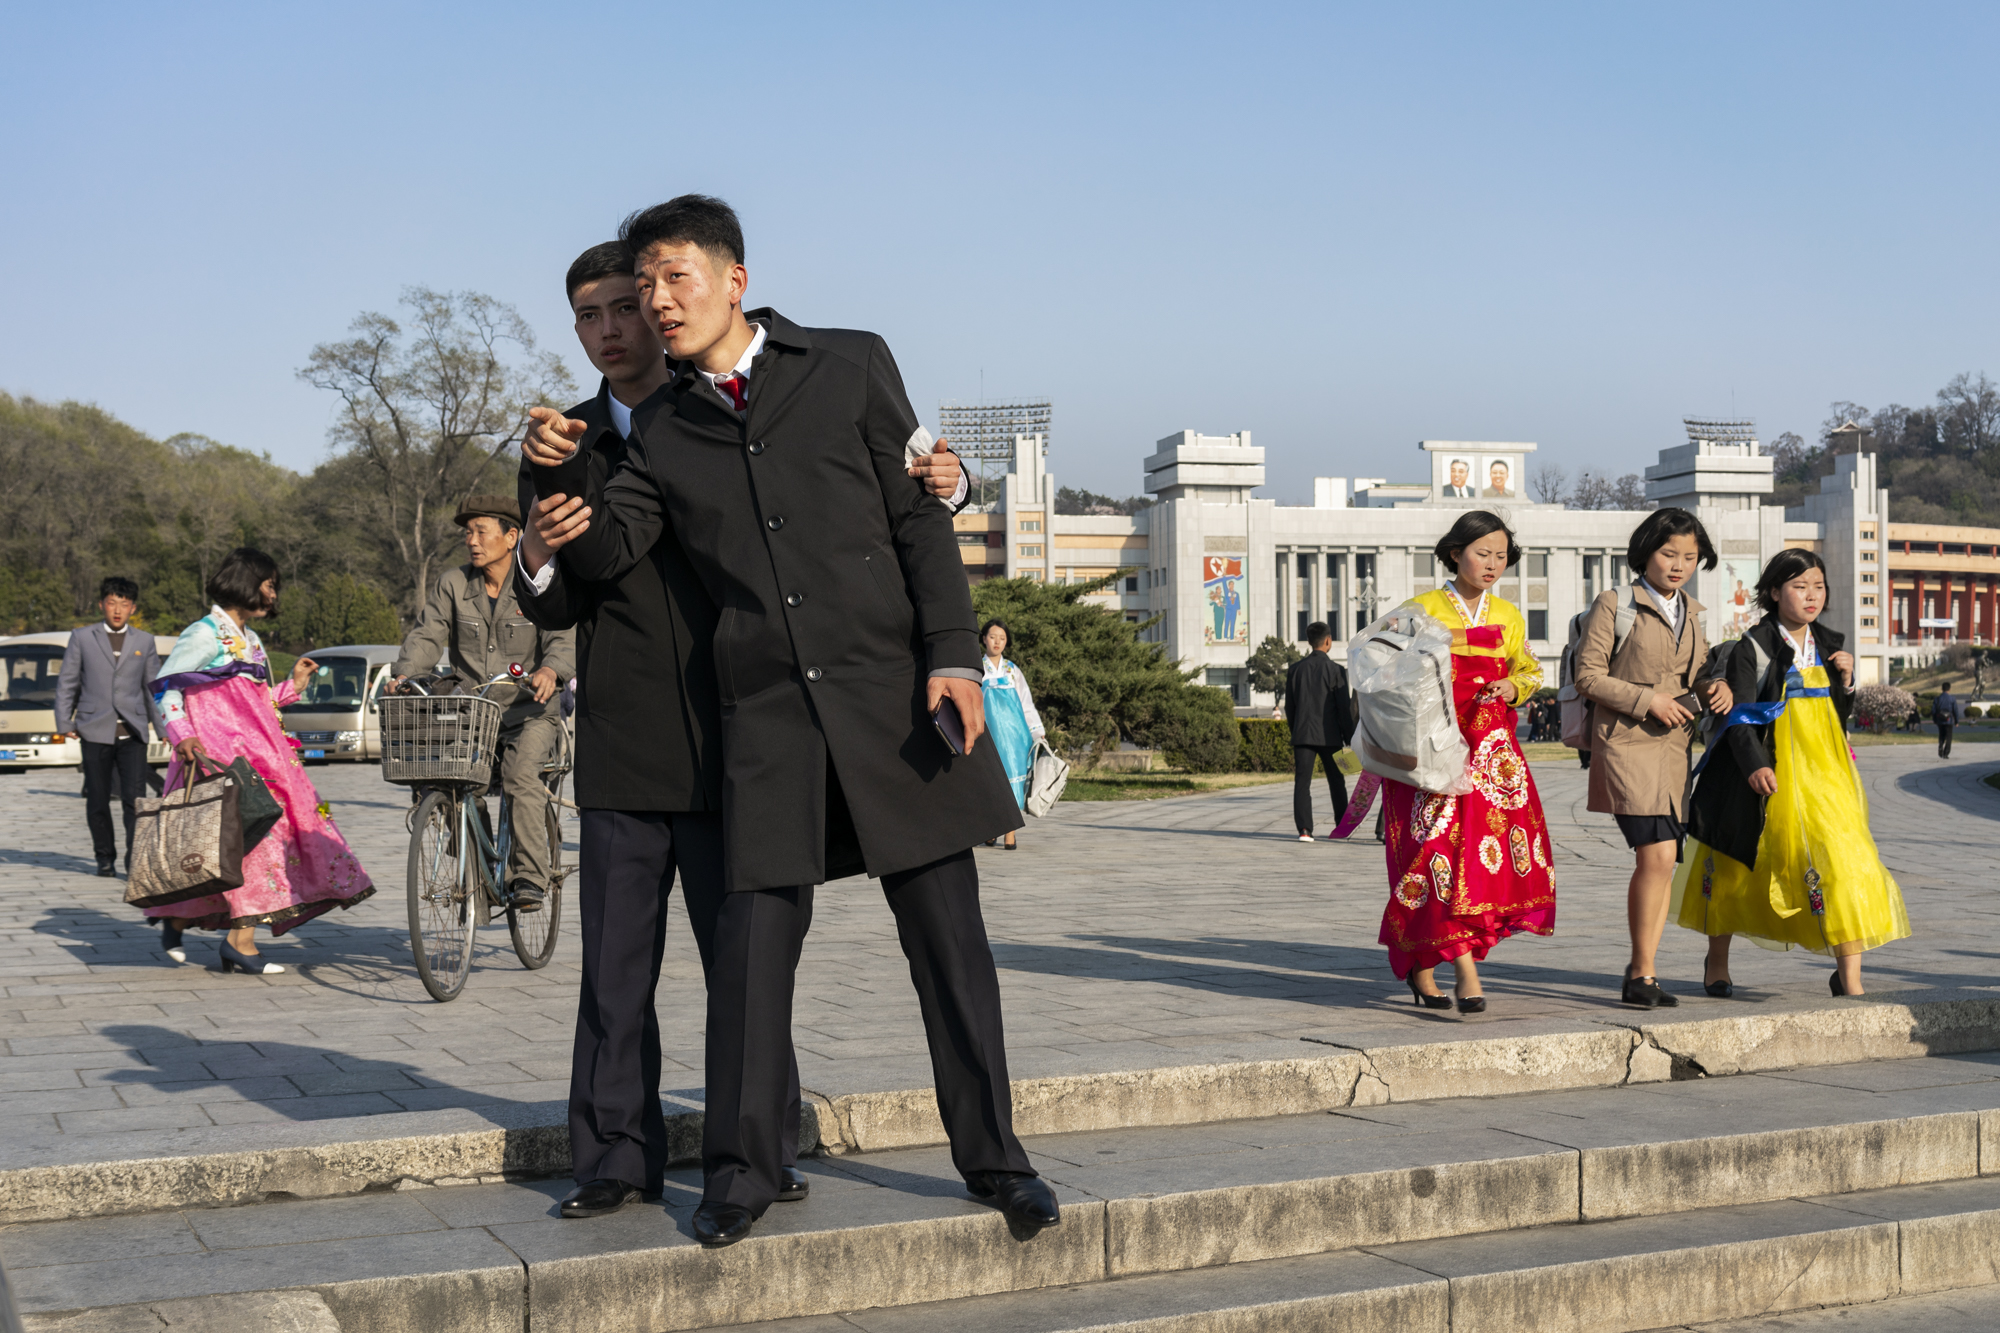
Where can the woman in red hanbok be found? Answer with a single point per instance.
(1467, 871)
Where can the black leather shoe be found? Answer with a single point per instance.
(107, 870)
(1472, 1004)
(1027, 1200)
(793, 1184)
(526, 897)
(595, 1198)
(719, 1224)
(1645, 993)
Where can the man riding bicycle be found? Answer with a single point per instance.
(472, 619)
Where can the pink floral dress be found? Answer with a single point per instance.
(215, 685)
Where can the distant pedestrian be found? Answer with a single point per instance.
(104, 698)
(1319, 710)
(1947, 712)
(215, 694)
(1011, 718)
(1644, 699)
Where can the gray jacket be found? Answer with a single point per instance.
(481, 639)
(96, 691)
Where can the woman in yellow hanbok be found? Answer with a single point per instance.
(1779, 847)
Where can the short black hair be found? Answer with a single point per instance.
(239, 581)
(613, 259)
(1471, 526)
(1662, 526)
(689, 219)
(118, 586)
(1785, 566)
(1317, 632)
(1001, 625)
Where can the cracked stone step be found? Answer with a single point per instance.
(895, 1229)
(61, 1176)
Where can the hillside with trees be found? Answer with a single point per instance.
(1940, 462)
(429, 413)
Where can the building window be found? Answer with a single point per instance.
(1132, 584)
(1869, 577)
(1868, 622)
(1234, 679)
(1538, 624)
(1538, 568)
(1867, 555)
(1867, 600)
(1031, 550)
(972, 539)
(1034, 574)
(1031, 525)
(1593, 577)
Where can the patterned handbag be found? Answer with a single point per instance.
(188, 843)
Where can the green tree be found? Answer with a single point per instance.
(1269, 663)
(1096, 682)
(345, 610)
(435, 414)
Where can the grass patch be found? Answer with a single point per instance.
(1101, 786)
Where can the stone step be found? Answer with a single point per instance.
(70, 1175)
(1748, 1261)
(895, 1229)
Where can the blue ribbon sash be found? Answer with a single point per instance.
(1761, 714)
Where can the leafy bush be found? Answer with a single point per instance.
(1883, 705)
(1974, 710)
(1195, 728)
(1269, 664)
(1267, 745)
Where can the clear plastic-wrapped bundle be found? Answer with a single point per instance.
(1400, 670)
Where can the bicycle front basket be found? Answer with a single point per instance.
(452, 738)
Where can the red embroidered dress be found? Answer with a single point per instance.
(1467, 871)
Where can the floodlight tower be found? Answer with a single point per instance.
(983, 435)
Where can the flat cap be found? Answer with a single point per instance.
(503, 507)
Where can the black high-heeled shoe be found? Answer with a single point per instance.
(253, 963)
(1472, 1004)
(1833, 984)
(1427, 1001)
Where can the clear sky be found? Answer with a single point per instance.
(1344, 228)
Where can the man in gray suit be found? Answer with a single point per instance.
(104, 698)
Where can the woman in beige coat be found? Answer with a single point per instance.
(1645, 690)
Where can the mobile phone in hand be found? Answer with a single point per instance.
(950, 726)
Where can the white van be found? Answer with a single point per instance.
(29, 666)
(336, 717)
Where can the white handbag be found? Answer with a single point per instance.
(1047, 776)
(1400, 668)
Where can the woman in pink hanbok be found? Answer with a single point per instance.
(215, 694)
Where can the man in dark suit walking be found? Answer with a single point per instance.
(1318, 708)
(103, 697)
(1948, 711)
(778, 454)
(648, 770)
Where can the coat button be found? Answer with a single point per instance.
(774, 522)
(756, 446)
(812, 673)
(795, 599)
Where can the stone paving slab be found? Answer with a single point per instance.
(1130, 936)
(1484, 1192)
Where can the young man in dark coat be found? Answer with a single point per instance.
(103, 698)
(778, 453)
(1318, 711)
(648, 771)
(1947, 712)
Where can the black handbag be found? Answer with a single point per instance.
(260, 810)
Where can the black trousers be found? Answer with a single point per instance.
(750, 1015)
(1302, 784)
(626, 866)
(1944, 746)
(120, 763)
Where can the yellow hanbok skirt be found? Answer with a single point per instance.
(1819, 883)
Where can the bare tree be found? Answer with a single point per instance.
(1550, 483)
(1593, 490)
(1629, 492)
(434, 415)
(1969, 413)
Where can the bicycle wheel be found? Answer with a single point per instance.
(440, 908)
(535, 932)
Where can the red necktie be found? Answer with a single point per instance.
(736, 389)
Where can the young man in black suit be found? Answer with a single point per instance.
(648, 770)
(778, 454)
(1318, 711)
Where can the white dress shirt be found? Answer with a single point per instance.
(1670, 607)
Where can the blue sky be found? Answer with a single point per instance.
(1344, 228)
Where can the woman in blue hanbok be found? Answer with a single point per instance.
(1011, 719)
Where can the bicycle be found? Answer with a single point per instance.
(447, 747)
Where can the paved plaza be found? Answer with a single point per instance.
(1129, 935)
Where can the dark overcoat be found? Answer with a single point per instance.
(648, 714)
(1724, 812)
(841, 590)
(1317, 702)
